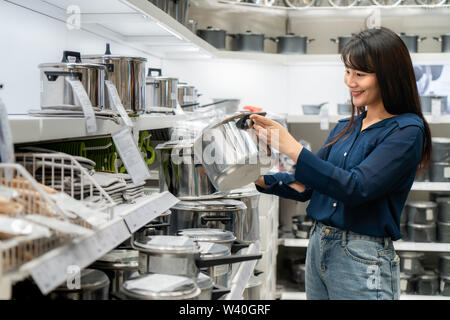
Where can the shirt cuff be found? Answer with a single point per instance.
(312, 171)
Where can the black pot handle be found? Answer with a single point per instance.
(238, 245)
(257, 272)
(53, 75)
(223, 219)
(156, 225)
(75, 54)
(231, 35)
(234, 258)
(108, 49)
(437, 39)
(242, 122)
(154, 69)
(218, 291)
(273, 39)
(311, 40)
(334, 40)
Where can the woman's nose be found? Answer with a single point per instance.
(350, 81)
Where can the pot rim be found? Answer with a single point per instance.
(72, 65)
(213, 205)
(189, 248)
(97, 284)
(208, 235)
(422, 204)
(113, 57)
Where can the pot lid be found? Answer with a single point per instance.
(91, 279)
(248, 191)
(249, 32)
(118, 259)
(222, 205)
(422, 204)
(208, 235)
(72, 65)
(160, 286)
(440, 140)
(411, 255)
(430, 226)
(403, 34)
(204, 281)
(112, 57)
(443, 199)
(292, 35)
(213, 250)
(210, 28)
(170, 244)
(428, 275)
(160, 78)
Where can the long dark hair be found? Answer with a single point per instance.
(383, 52)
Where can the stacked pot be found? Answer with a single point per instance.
(440, 166)
(421, 221)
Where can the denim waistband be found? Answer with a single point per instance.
(336, 233)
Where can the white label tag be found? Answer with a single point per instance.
(6, 140)
(403, 284)
(114, 100)
(82, 97)
(435, 110)
(430, 215)
(407, 264)
(130, 155)
(447, 172)
(442, 286)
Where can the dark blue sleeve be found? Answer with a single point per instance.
(278, 183)
(379, 174)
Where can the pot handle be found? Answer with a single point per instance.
(242, 122)
(218, 291)
(257, 272)
(334, 40)
(421, 39)
(53, 75)
(149, 74)
(311, 40)
(437, 39)
(273, 39)
(206, 219)
(75, 54)
(234, 258)
(238, 245)
(231, 35)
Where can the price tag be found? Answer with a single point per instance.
(140, 217)
(6, 142)
(403, 284)
(114, 100)
(435, 110)
(130, 155)
(407, 264)
(447, 172)
(83, 99)
(430, 214)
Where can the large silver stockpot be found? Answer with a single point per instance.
(56, 91)
(160, 91)
(232, 154)
(127, 73)
(223, 214)
(187, 95)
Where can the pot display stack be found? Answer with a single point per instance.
(421, 221)
(440, 166)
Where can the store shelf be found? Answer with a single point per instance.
(297, 118)
(431, 186)
(53, 268)
(297, 295)
(26, 129)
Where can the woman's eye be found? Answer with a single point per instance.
(360, 74)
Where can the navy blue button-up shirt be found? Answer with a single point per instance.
(361, 182)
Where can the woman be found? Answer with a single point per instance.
(359, 180)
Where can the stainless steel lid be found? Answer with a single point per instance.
(428, 275)
(442, 140)
(213, 250)
(242, 193)
(91, 279)
(430, 226)
(72, 65)
(211, 205)
(118, 259)
(443, 199)
(167, 244)
(160, 286)
(105, 57)
(159, 78)
(208, 235)
(422, 204)
(204, 281)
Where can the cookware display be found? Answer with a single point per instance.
(427, 102)
(341, 41)
(411, 41)
(444, 265)
(223, 214)
(312, 108)
(422, 232)
(248, 41)
(119, 265)
(440, 171)
(443, 232)
(292, 44)
(408, 283)
(157, 227)
(443, 209)
(179, 10)
(94, 285)
(411, 262)
(441, 149)
(127, 73)
(160, 91)
(301, 226)
(421, 212)
(160, 287)
(445, 42)
(428, 283)
(214, 36)
(239, 157)
(221, 274)
(56, 91)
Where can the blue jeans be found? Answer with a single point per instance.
(343, 265)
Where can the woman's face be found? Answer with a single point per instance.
(363, 87)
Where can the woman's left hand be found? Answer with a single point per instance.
(276, 136)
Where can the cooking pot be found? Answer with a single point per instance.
(408, 283)
(221, 274)
(119, 265)
(440, 171)
(187, 94)
(444, 264)
(128, 75)
(411, 262)
(427, 101)
(164, 5)
(223, 214)
(252, 289)
(421, 212)
(422, 232)
(232, 154)
(215, 37)
(411, 41)
(157, 227)
(206, 285)
(250, 197)
(179, 9)
(445, 42)
(178, 255)
(443, 209)
(441, 149)
(57, 92)
(312, 108)
(94, 285)
(248, 41)
(291, 44)
(161, 91)
(428, 283)
(180, 174)
(341, 42)
(443, 232)
(160, 287)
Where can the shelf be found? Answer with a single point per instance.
(398, 245)
(431, 186)
(50, 269)
(297, 295)
(26, 129)
(298, 119)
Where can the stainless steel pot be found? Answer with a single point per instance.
(187, 95)
(341, 41)
(444, 265)
(411, 41)
(160, 91)
(128, 75)
(292, 44)
(221, 274)
(445, 42)
(223, 214)
(427, 102)
(440, 172)
(248, 41)
(206, 285)
(179, 173)
(443, 232)
(422, 232)
(119, 265)
(252, 290)
(94, 285)
(411, 262)
(157, 227)
(250, 197)
(421, 212)
(214, 36)
(428, 284)
(232, 154)
(408, 283)
(441, 149)
(179, 9)
(57, 92)
(443, 209)
(160, 287)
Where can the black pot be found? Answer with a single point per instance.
(248, 41)
(445, 42)
(291, 44)
(341, 41)
(215, 37)
(411, 41)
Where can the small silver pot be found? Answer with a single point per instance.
(411, 262)
(445, 42)
(160, 91)
(422, 232)
(443, 232)
(440, 172)
(187, 95)
(411, 41)
(428, 284)
(443, 209)
(441, 149)
(426, 102)
(444, 265)
(421, 212)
